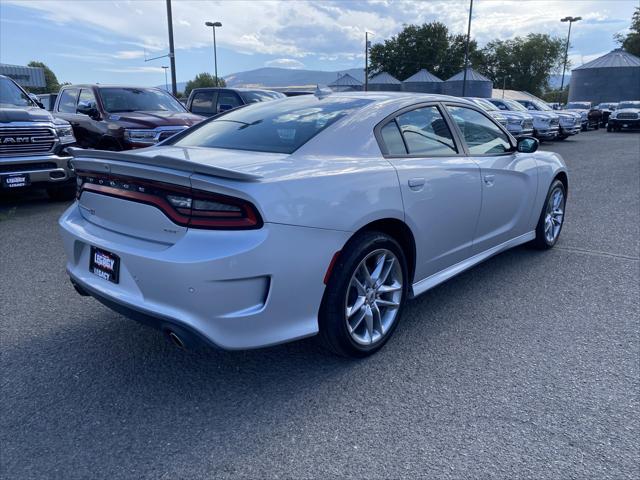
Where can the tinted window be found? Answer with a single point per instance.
(227, 101)
(482, 135)
(138, 99)
(499, 104)
(280, 127)
(87, 97)
(203, 103)
(426, 132)
(392, 139)
(67, 102)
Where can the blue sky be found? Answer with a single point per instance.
(106, 41)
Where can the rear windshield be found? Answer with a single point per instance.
(279, 127)
(253, 96)
(138, 100)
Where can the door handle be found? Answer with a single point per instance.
(489, 180)
(416, 183)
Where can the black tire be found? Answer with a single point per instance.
(608, 128)
(541, 241)
(62, 193)
(561, 138)
(334, 333)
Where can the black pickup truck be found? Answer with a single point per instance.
(32, 145)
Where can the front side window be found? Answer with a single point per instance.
(203, 103)
(228, 101)
(87, 98)
(13, 96)
(426, 132)
(278, 127)
(68, 98)
(118, 99)
(482, 135)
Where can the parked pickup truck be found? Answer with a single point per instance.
(32, 145)
(210, 101)
(115, 117)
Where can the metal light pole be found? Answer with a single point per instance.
(172, 55)
(166, 84)
(213, 25)
(466, 52)
(566, 51)
(366, 60)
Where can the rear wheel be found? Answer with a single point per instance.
(608, 128)
(551, 218)
(364, 296)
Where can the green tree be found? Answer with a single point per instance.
(429, 46)
(203, 80)
(52, 84)
(523, 63)
(631, 41)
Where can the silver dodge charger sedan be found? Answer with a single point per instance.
(313, 214)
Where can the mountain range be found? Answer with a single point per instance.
(286, 77)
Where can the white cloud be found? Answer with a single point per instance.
(128, 54)
(323, 28)
(285, 63)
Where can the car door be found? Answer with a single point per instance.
(440, 186)
(88, 129)
(509, 179)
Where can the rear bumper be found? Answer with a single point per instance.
(42, 169)
(234, 289)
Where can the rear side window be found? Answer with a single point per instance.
(426, 132)
(278, 127)
(68, 99)
(482, 135)
(203, 103)
(393, 139)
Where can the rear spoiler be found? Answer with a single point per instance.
(165, 161)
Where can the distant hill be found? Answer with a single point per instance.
(285, 77)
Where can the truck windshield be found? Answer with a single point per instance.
(578, 106)
(513, 105)
(138, 100)
(13, 96)
(277, 127)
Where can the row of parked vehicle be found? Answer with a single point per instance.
(115, 117)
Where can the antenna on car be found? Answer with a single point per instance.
(322, 91)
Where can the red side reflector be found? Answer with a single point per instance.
(333, 261)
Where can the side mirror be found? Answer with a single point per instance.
(527, 144)
(88, 109)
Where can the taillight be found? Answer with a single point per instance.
(184, 206)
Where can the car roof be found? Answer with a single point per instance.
(109, 85)
(239, 89)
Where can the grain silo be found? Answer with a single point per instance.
(477, 85)
(384, 82)
(423, 82)
(610, 78)
(346, 83)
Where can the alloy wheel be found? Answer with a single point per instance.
(554, 215)
(373, 297)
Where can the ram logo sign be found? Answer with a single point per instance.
(17, 140)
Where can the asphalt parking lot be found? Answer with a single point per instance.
(527, 366)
